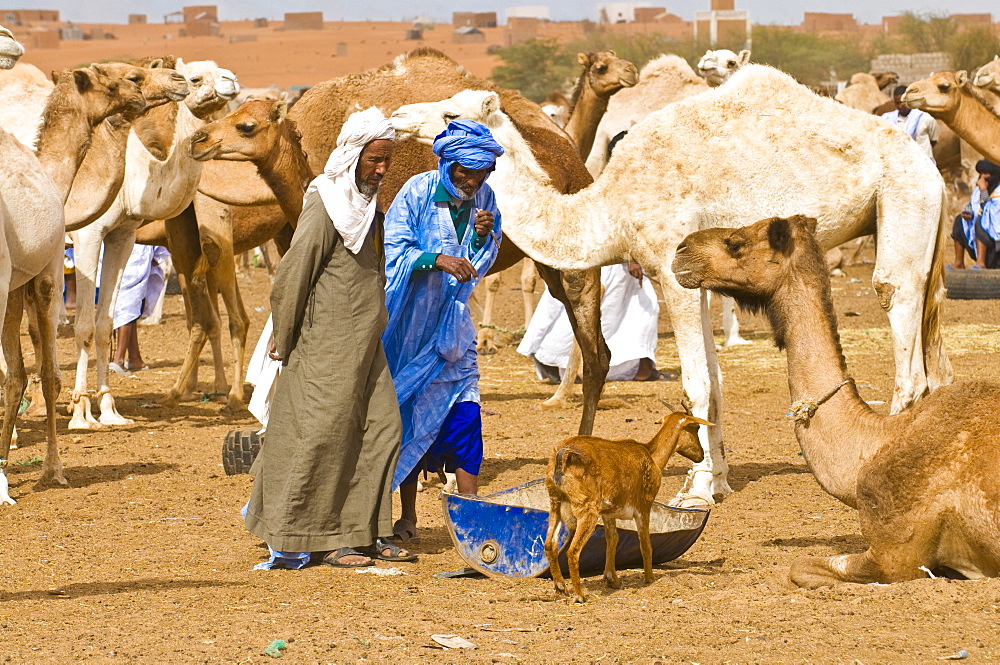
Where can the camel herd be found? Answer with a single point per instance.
(152, 151)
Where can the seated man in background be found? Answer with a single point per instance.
(977, 229)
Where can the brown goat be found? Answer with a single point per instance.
(613, 480)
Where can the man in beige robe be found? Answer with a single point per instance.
(322, 478)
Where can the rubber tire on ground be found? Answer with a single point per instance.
(239, 449)
(972, 284)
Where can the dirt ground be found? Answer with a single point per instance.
(144, 557)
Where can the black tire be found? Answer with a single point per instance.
(239, 450)
(972, 284)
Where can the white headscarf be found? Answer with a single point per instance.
(351, 211)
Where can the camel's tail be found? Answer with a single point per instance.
(201, 266)
(936, 363)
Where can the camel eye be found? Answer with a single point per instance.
(601, 69)
(246, 127)
(135, 78)
(450, 116)
(196, 80)
(944, 87)
(734, 245)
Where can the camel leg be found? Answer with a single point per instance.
(485, 339)
(580, 292)
(87, 245)
(730, 324)
(265, 256)
(47, 296)
(813, 572)
(560, 398)
(702, 381)
(529, 278)
(862, 243)
(118, 245)
(36, 398)
(16, 378)
(239, 325)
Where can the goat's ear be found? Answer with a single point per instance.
(779, 235)
(278, 111)
(961, 77)
(744, 56)
(583, 59)
(689, 420)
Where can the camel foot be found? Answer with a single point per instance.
(109, 413)
(486, 348)
(736, 341)
(13, 439)
(233, 405)
(175, 397)
(554, 403)
(83, 418)
(53, 474)
(701, 489)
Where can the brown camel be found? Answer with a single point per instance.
(604, 74)
(32, 193)
(924, 480)
(950, 96)
(428, 75)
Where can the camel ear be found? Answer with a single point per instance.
(744, 56)
(491, 104)
(83, 79)
(156, 64)
(583, 59)
(779, 235)
(961, 77)
(55, 76)
(278, 111)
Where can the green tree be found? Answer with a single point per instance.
(535, 68)
(808, 58)
(973, 48)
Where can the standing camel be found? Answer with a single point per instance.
(33, 188)
(949, 96)
(856, 175)
(604, 74)
(160, 181)
(925, 481)
(424, 75)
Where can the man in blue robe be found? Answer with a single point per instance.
(442, 234)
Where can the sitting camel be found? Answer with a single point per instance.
(663, 182)
(33, 189)
(949, 96)
(160, 181)
(924, 481)
(717, 66)
(863, 92)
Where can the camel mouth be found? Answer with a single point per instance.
(201, 151)
(7, 61)
(687, 278)
(176, 95)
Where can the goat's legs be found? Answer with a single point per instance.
(611, 540)
(552, 547)
(642, 528)
(585, 525)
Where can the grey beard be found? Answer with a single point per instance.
(367, 190)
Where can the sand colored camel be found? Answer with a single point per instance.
(717, 66)
(556, 106)
(949, 96)
(33, 188)
(10, 49)
(160, 181)
(603, 75)
(24, 89)
(863, 93)
(851, 177)
(924, 481)
(987, 79)
(425, 75)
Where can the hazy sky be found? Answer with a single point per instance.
(761, 11)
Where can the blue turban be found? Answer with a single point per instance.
(467, 143)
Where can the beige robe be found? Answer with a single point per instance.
(323, 476)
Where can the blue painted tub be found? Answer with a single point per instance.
(503, 534)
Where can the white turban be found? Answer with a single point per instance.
(351, 211)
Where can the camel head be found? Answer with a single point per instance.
(10, 49)
(101, 92)
(248, 134)
(749, 263)
(556, 106)
(156, 79)
(605, 73)
(988, 75)
(717, 66)
(423, 122)
(939, 94)
(885, 79)
(211, 86)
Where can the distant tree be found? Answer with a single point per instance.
(535, 68)
(808, 58)
(972, 48)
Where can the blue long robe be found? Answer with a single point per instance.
(430, 340)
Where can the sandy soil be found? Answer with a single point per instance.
(144, 558)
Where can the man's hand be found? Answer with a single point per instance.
(635, 270)
(484, 222)
(458, 266)
(272, 350)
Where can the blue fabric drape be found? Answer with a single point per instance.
(467, 143)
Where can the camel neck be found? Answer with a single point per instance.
(64, 136)
(584, 118)
(842, 432)
(977, 124)
(286, 171)
(565, 232)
